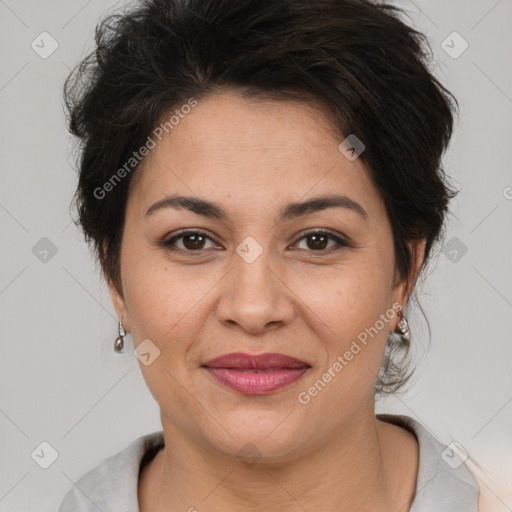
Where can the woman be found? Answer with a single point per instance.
(261, 183)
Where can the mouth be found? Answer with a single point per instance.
(256, 374)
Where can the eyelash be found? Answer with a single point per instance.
(168, 244)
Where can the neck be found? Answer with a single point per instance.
(366, 466)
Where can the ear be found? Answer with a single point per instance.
(401, 291)
(118, 300)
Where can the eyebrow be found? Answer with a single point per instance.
(289, 211)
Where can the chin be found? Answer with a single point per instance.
(271, 436)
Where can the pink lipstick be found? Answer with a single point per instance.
(256, 374)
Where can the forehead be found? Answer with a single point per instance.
(255, 152)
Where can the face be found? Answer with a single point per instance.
(259, 277)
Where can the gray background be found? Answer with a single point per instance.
(60, 381)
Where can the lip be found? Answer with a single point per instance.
(256, 374)
(242, 361)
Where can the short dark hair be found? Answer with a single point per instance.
(357, 58)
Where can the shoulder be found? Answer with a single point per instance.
(112, 485)
(444, 482)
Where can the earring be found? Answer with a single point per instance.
(403, 326)
(119, 342)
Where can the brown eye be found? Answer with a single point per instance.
(318, 241)
(194, 241)
(191, 241)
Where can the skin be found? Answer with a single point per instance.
(252, 157)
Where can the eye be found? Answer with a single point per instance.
(195, 240)
(192, 241)
(317, 241)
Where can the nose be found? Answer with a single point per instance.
(255, 297)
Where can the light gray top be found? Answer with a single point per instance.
(444, 482)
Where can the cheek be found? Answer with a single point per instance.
(354, 318)
(348, 297)
(166, 302)
(166, 305)
(161, 303)
(337, 305)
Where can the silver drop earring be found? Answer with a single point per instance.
(403, 326)
(119, 342)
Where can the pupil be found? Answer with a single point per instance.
(316, 237)
(194, 241)
(192, 245)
